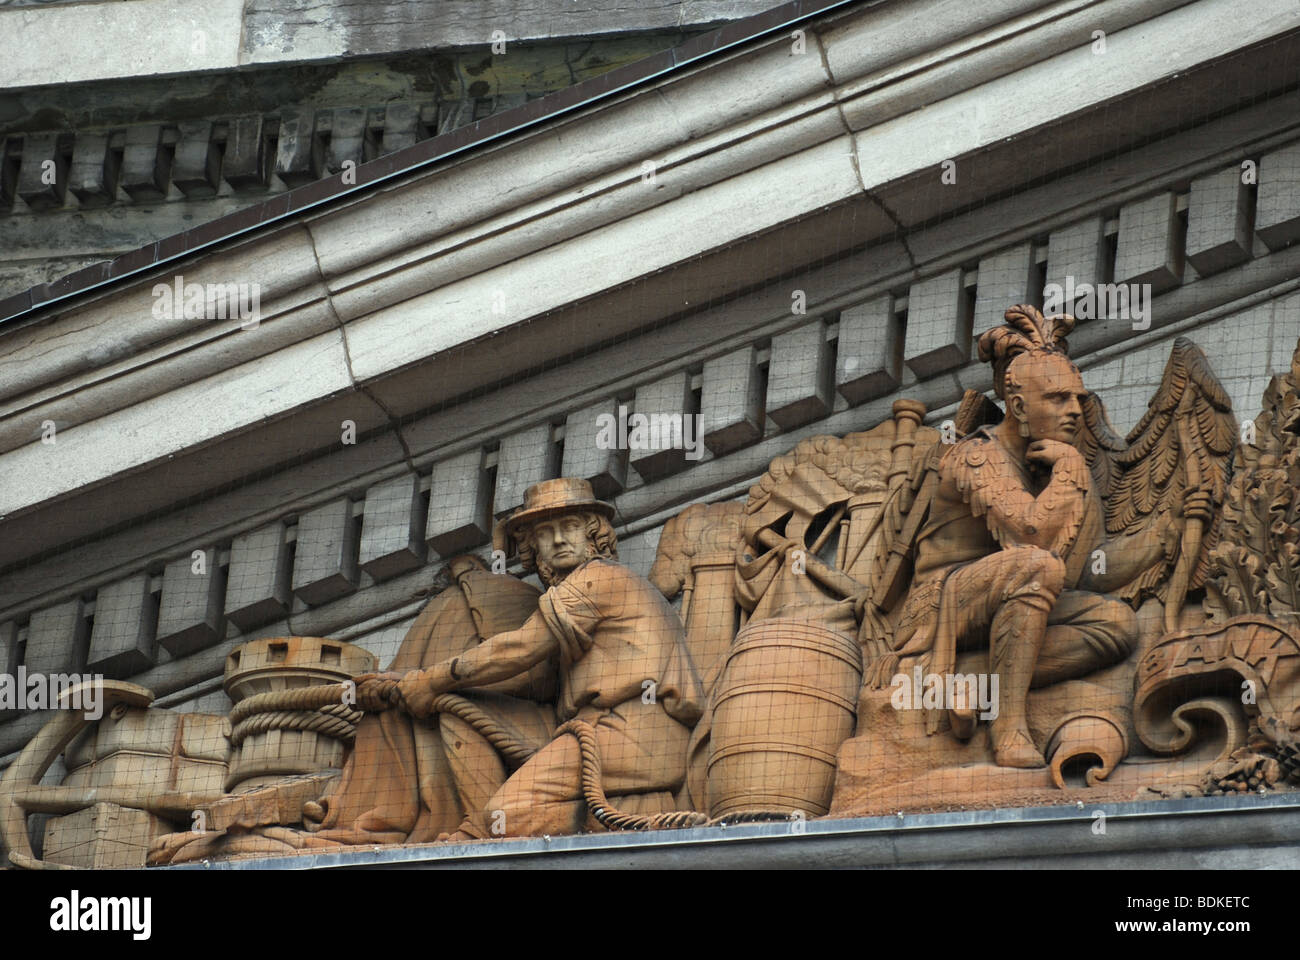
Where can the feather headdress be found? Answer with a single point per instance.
(1026, 331)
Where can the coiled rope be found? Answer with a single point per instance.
(325, 703)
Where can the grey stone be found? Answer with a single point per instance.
(938, 325)
(1218, 221)
(392, 540)
(731, 401)
(189, 614)
(460, 504)
(94, 171)
(196, 167)
(401, 127)
(1006, 278)
(325, 559)
(869, 355)
(1277, 204)
(300, 154)
(56, 639)
(1148, 243)
(799, 376)
(122, 640)
(347, 138)
(525, 457)
(1076, 253)
(8, 648)
(257, 583)
(605, 469)
(667, 403)
(41, 157)
(246, 159)
(146, 166)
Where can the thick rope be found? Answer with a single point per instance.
(325, 696)
(299, 698)
(336, 720)
(601, 809)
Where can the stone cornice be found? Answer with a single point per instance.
(821, 153)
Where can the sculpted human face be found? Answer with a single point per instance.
(562, 542)
(1050, 397)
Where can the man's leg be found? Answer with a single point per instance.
(1012, 592)
(1085, 632)
(642, 749)
(477, 769)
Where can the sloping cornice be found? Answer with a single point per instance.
(764, 160)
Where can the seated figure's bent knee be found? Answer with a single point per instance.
(1120, 636)
(1037, 572)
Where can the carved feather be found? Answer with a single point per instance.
(1154, 469)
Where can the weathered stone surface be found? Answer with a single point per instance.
(460, 504)
(1218, 221)
(401, 127)
(246, 161)
(799, 376)
(731, 401)
(8, 647)
(869, 356)
(122, 640)
(1075, 256)
(1277, 204)
(604, 468)
(325, 556)
(391, 528)
(524, 458)
(196, 165)
(1148, 250)
(1005, 277)
(938, 325)
(56, 639)
(94, 171)
(43, 176)
(257, 586)
(348, 136)
(300, 154)
(667, 403)
(146, 166)
(189, 613)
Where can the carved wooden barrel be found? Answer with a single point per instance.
(275, 742)
(786, 700)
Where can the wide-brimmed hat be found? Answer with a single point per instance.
(546, 499)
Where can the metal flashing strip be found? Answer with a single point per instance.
(374, 174)
(966, 837)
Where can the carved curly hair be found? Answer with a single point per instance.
(600, 533)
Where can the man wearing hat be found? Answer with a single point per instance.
(624, 666)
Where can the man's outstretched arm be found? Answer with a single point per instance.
(499, 657)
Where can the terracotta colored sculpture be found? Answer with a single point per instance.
(624, 667)
(1003, 558)
(1034, 546)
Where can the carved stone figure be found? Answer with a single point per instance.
(1003, 557)
(624, 668)
(1116, 592)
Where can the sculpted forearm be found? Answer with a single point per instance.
(1044, 520)
(500, 657)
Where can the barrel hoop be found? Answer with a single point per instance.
(771, 746)
(817, 693)
(850, 655)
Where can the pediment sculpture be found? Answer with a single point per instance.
(1013, 607)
